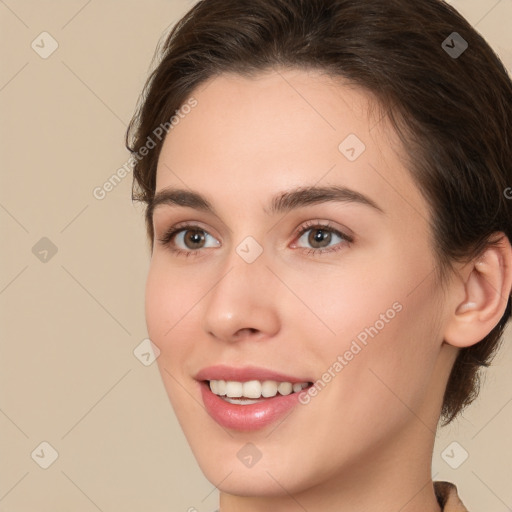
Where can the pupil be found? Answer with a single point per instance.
(320, 236)
(195, 237)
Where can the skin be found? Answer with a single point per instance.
(365, 442)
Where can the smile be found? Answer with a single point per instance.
(242, 401)
(253, 390)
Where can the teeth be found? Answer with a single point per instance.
(285, 388)
(234, 389)
(253, 389)
(241, 401)
(297, 387)
(269, 388)
(221, 387)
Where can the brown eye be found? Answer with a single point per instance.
(193, 239)
(186, 239)
(320, 238)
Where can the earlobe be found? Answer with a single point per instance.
(486, 290)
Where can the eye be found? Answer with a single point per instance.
(320, 236)
(186, 240)
(190, 237)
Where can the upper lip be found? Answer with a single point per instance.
(244, 374)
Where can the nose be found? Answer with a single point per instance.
(243, 304)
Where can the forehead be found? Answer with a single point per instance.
(281, 129)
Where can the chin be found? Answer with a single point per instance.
(256, 481)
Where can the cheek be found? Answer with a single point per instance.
(167, 301)
(391, 373)
(386, 332)
(156, 304)
(168, 298)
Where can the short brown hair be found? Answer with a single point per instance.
(452, 112)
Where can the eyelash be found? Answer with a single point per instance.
(168, 236)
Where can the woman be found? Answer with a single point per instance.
(327, 209)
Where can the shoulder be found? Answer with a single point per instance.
(448, 497)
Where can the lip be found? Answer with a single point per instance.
(246, 417)
(244, 374)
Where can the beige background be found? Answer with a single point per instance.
(69, 326)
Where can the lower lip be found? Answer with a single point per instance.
(247, 417)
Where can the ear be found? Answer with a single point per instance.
(485, 287)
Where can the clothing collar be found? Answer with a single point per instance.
(448, 497)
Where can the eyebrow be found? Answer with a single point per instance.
(281, 203)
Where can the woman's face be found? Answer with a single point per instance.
(279, 283)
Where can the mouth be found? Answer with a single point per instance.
(250, 398)
(253, 391)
